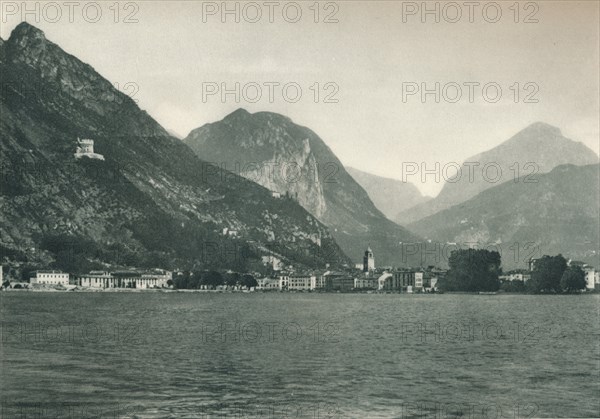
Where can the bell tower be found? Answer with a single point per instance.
(368, 260)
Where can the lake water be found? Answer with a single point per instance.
(278, 355)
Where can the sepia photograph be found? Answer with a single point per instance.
(302, 209)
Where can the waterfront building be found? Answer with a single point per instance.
(591, 274)
(125, 279)
(337, 281)
(50, 278)
(591, 277)
(297, 282)
(386, 282)
(408, 278)
(368, 281)
(267, 284)
(301, 282)
(404, 280)
(516, 275)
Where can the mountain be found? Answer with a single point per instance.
(149, 202)
(532, 151)
(390, 196)
(286, 158)
(560, 213)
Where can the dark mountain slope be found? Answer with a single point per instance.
(151, 201)
(559, 214)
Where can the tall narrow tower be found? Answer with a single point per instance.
(368, 260)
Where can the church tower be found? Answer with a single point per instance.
(368, 260)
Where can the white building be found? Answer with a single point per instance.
(385, 281)
(592, 277)
(366, 281)
(100, 279)
(273, 261)
(50, 278)
(515, 276)
(267, 284)
(85, 148)
(418, 280)
(298, 282)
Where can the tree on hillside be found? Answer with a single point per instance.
(473, 270)
(573, 279)
(547, 273)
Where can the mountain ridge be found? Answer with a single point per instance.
(560, 213)
(151, 201)
(534, 150)
(323, 187)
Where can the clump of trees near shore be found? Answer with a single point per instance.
(212, 279)
(473, 270)
(551, 274)
(478, 270)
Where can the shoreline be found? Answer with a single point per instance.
(197, 291)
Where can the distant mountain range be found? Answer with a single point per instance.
(390, 196)
(250, 185)
(150, 202)
(559, 213)
(537, 149)
(290, 159)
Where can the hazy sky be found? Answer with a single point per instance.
(374, 53)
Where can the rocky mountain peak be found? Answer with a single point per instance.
(238, 113)
(298, 163)
(24, 34)
(539, 130)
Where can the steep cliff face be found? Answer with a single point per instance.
(151, 201)
(273, 151)
(532, 151)
(560, 213)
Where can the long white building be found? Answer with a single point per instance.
(50, 278)
(125, 279)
